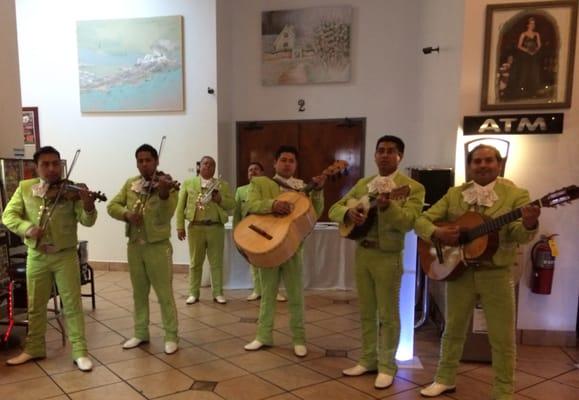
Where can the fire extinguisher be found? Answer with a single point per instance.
(543, 256)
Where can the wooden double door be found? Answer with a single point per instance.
(319, 143)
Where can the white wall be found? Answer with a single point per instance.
(540, 163)
(11, 136)
(48, 67)
(384, 85)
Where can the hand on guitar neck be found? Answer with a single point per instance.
(530, 216)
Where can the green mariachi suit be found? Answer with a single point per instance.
(492, 282)
(150, 256)
(204, 239)
(240, 203)
(261, 195)
(22, 213)
(379, 272)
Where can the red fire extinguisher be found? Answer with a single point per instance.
(543, 256)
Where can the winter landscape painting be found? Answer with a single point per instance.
(131, 64)
(309, 45)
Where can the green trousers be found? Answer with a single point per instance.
(291, 271)
(378, 279)
(151, 264)
(41, 271)
(256, 277)
(206, 240)
(495, 288)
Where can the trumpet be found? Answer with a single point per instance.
(204, 198)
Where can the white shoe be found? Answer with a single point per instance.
(171, 347)
(255, 345)
(83, 363)
(21, 359)
(356, 370)
(436, 389)
(280, 297)
(300, 350)
(132, 343)
(253, 296)
(220, 299)
(383, 381)
(191, 300)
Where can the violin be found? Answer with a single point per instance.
(175, 185)
(70, 191)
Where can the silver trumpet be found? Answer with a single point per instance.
(204, 198)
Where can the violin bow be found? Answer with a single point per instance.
(45, 217)
(150, 188)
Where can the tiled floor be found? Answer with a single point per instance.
(211, 363)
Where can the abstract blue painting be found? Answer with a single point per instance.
(130, 65)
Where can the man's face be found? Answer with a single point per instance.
(49, 168)
(146, 164)
(387, 158)
(484, 166)
(207, 168)
(286, 165)
(253, 170)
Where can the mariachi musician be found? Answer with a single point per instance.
(491, 281)
(146, 203)
(261, 200)
(42, 212)
(204, 201)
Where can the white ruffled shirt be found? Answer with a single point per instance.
(205, 183)
(138, 186)
(40, 189)
(382, 184)
(296, 184)
(480, 195)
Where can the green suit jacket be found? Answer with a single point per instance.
(157, 215)
(396, 220)
(24, 209)
(452, 206)
(240, 200)
(187, 205)
(263, 191)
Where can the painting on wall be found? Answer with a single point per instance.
(309, 45)
(131, 64)
(30, 130)
(529, 55)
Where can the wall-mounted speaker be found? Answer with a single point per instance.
(436, 181)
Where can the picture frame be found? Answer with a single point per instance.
(529, 52)
(30, 130)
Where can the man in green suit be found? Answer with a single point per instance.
(254, 169)
(147, 212)
(492, 280)
(261, 200)
(206, 213)
(50, 234)
(379, 258)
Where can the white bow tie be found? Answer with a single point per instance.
(479, 195)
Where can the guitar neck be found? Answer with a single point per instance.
(496, 223)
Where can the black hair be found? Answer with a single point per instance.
(45, 150)
(394, 139)
(286, 149)
(483, 146)
(256, 163)
(149, 149)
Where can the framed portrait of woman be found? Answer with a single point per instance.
(529, 53)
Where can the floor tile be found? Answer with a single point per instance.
(522, 379)
(19, 373)
(108, 355)
(203, 336)
(138, 367)
(365, 383)
(186, 357)
(246, 388)
(32, 389)
(213, 371)
(570, 378)
(329, 366)
(115, 391)
(551, 390)
(75, 381)
(292, 377)
(255, 361)
(226, 348)
(192, 395)
(162, 383)
(330, 390)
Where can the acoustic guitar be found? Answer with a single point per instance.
(478, 238)
(367, 205)
(268, 240)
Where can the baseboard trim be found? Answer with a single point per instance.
(123, 266)
(536, 337)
